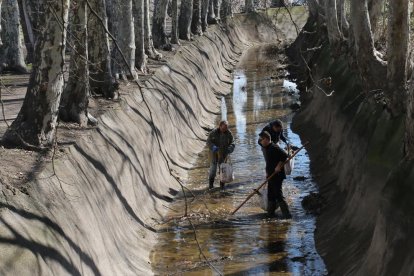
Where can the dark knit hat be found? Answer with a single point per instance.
(265, 134)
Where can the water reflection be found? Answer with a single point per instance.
(248, 243)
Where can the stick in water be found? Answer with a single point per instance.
(267, 179)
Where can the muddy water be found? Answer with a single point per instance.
(247, 243)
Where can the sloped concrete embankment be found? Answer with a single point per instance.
(356, 151)
(93, 214)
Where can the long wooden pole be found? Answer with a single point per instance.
(267, 179)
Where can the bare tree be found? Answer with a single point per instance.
(74, 102)
(204, 14)
(397, 53)
(185, 19)
(334, 34)
(11, 51)
(149, 44)
(196, 20)
(211, 16)
(409, 121)
(158, 25)
(140, 56)
(29, 14)
(1, 2)
(123, 31)
(101, 79)
(374, 8)
(249, 6)
(342, 20)
(174, 22)
(226, 9)
(36, 121)
(366, 55)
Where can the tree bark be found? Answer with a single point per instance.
(249, 6)
(372, 68)
(174, 23)
(11, 51)
(74, 103)
(186, 16)
(140, 56)
(1, 42)
(123, 31)
(204, 14)
(374, 8)
(334, 34)
(397, 53)
(196, 20)
(149, 44)
(409, 122)
(158, 25)
(36, 121)
(342, 21)
(211, 16)
(27, 29)
(226, 9)
(101, 79)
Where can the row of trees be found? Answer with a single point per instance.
(107, 40)
(383, 59)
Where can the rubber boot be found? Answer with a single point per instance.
(221, 185)
(285, 210)
(211, 184)
(271, 208)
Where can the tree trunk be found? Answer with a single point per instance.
(186, 16)
(196, 20)
(158, 25)
(217, 7)
(226, 9)
(314, 8)
(334, 34)
(397, 53)
(101, 79)
(149, 44)
(204, 14)
(278, 3)
(123, 31)
(140, 56)
(74, 103)
(211, 16)
(409, 122)
(1, 42)
(11, 52)
(174, 23)
(371, 67)
(27, 29)
(249, 6)
(342, 21)
(36, 121)
(374, 8)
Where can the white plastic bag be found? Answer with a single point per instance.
(289, 166)
(263, 198)
(226, 173)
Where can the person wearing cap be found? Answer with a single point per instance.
(220, 143)
(275, 158)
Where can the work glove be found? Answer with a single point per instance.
(294, 148)
(230, 149)
(214, 148)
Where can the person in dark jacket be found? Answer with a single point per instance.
(275, 158)
(221, 143)
(275, 129)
